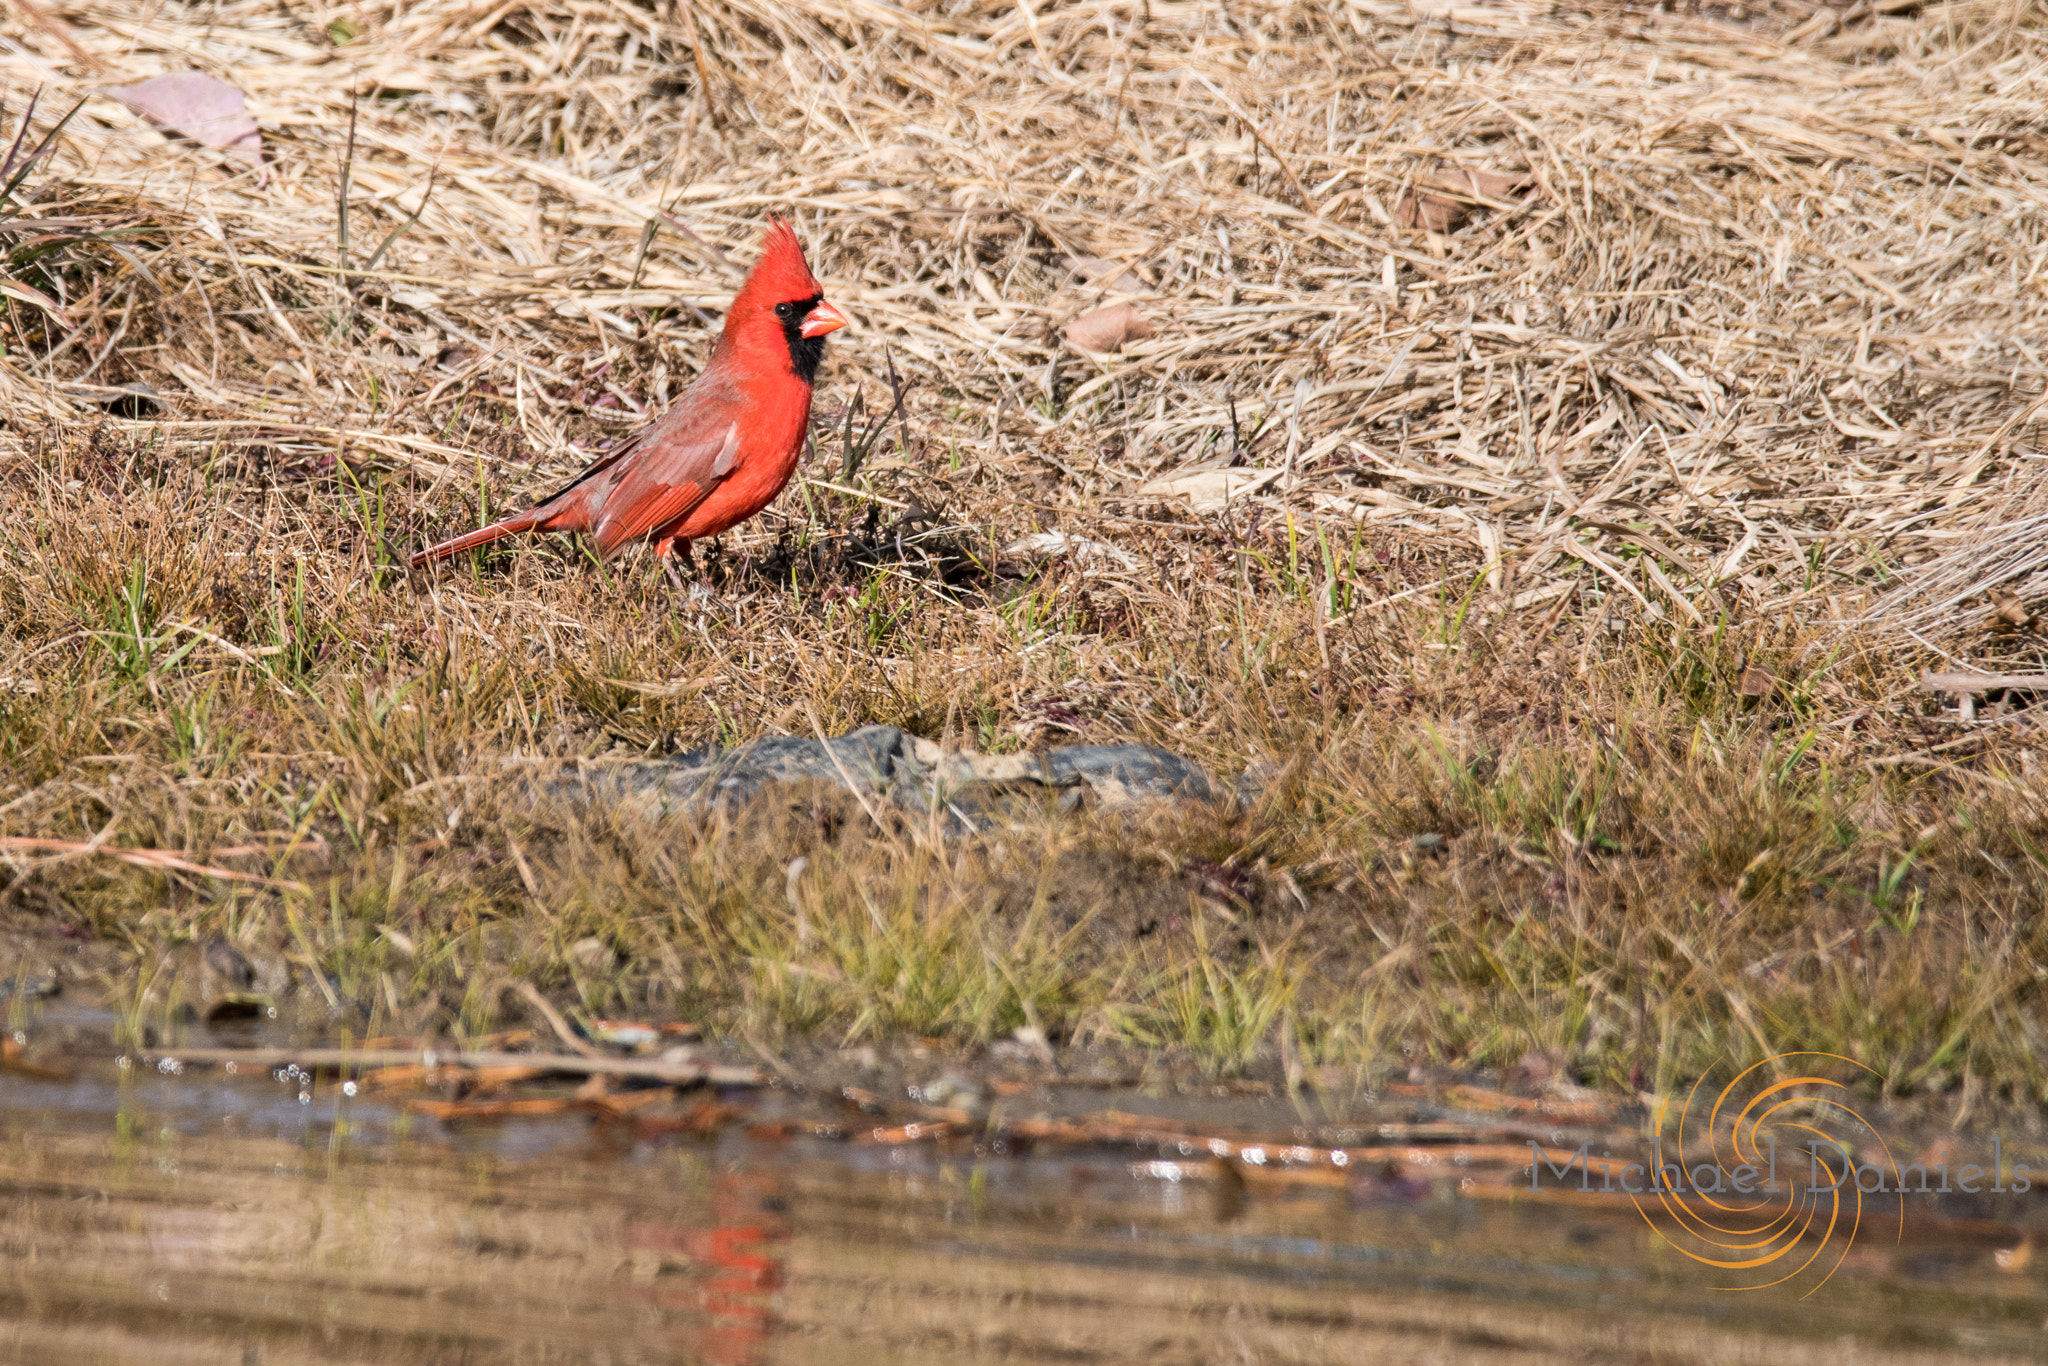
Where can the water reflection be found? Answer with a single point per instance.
(151, 1217)
(742, 1247)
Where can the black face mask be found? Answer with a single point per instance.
(804, 352)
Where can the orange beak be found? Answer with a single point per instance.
(822, 318)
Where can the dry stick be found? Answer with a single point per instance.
(675, 1074)
(555, 1021)
(1975, 683)
(159, 860)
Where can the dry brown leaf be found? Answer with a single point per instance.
(1484, 184)
(1432, 212)
(1442, 212)
(2009, 616)
(1105, 330)
(1757, 681)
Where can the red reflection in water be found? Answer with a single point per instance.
(741, 1249)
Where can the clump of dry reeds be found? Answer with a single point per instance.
(1533, 397)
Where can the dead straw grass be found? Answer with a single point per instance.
(1717, 330)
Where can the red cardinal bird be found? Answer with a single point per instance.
(725, 450)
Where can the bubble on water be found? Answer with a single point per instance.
(305, 1097)
(170, 1067)
(123, 1063)
(348, 1088)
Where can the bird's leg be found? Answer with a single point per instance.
(667, 550)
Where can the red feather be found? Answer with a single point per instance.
(726, 448)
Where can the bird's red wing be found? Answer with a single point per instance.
(671, 474)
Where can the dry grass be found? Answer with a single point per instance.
(1561, 504)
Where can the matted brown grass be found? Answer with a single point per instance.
(1616, 405)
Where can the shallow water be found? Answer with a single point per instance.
(195, 1217)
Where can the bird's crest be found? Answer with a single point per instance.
(781, 273)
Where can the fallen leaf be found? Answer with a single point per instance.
(1442, 212)
(1429, 211)
(1107, 329)
(1045, 544)
(1206, 490)
(199, 107)
(2009, 616)
(1757, 681)
(1484, 184)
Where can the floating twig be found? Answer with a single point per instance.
(635, 1069)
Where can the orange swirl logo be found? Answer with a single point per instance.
(1757, 1216)
(1773, 1189)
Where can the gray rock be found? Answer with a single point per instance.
(1123, 774)
(882, 762)
(36, 988)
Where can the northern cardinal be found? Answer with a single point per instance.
(726, 448)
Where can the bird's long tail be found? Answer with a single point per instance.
(496, 531)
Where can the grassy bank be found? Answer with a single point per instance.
(1587, 524)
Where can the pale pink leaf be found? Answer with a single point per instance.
(201, 108)
(1107, 329)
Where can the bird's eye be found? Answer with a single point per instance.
(785, 311)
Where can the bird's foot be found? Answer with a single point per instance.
(676, 581)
